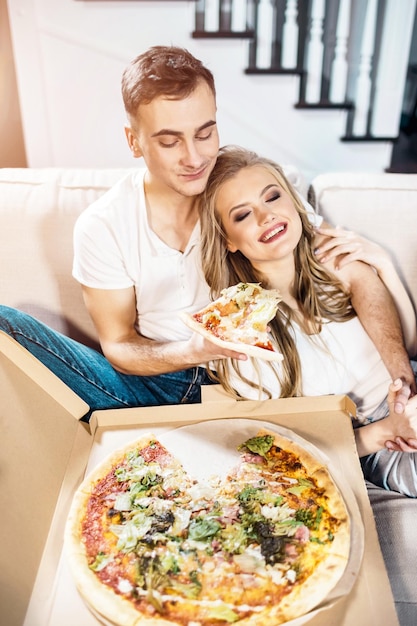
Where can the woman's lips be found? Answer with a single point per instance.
(273, 233)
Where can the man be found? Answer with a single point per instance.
(137, 255)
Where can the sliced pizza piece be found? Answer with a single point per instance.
(298, 517)
(138, 491)
(238, 320)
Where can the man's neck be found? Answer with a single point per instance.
(172, 217)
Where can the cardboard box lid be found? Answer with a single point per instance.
(39, 418)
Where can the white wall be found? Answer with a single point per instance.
(70, 55)
(12, 153)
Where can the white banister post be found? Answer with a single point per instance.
(393, 64)
(265, 33)
(339, 73)
(363, 83)
(239, 17)
(211, 15)
(314, 65)
(290, 36)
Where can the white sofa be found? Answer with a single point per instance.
(38, 208)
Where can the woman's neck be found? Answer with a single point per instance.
(280, 275)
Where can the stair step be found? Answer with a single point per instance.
(370, 138)
(324, 104)
(273, 70)
(223, 34)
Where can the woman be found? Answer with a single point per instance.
(255, 229)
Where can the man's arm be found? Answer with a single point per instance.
(379, 316)
(114, 315)
(377, 312)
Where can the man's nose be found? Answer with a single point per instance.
(191, 154)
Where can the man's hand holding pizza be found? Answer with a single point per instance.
(205, 350)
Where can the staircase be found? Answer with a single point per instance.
(349, 55)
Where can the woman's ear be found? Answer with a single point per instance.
(230, 246)
(133, 142)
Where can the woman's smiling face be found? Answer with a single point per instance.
(258, 216)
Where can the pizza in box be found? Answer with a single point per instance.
(265, 543)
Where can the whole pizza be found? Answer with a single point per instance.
(150, 545)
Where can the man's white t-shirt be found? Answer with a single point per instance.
(115, 248)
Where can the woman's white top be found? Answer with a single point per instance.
(342, 359)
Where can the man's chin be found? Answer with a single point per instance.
(193, 188)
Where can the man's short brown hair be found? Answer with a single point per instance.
(162, 71)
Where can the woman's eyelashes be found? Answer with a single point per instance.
(241, 216)
(273, 196)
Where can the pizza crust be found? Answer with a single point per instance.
(244, 348)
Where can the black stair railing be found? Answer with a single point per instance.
(334, 46)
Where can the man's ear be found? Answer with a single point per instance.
(133, 142)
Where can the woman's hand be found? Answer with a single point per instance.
(397, 431)
(348, 246)
(408, 411)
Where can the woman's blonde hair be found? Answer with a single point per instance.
(321, 296)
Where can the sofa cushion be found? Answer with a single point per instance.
(38, 208)
(382, 207)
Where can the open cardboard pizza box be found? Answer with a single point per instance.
(46, 450)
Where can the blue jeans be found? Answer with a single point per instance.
(89, 374)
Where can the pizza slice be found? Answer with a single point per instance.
(298, 522)
(238, 320)
(115, 531)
